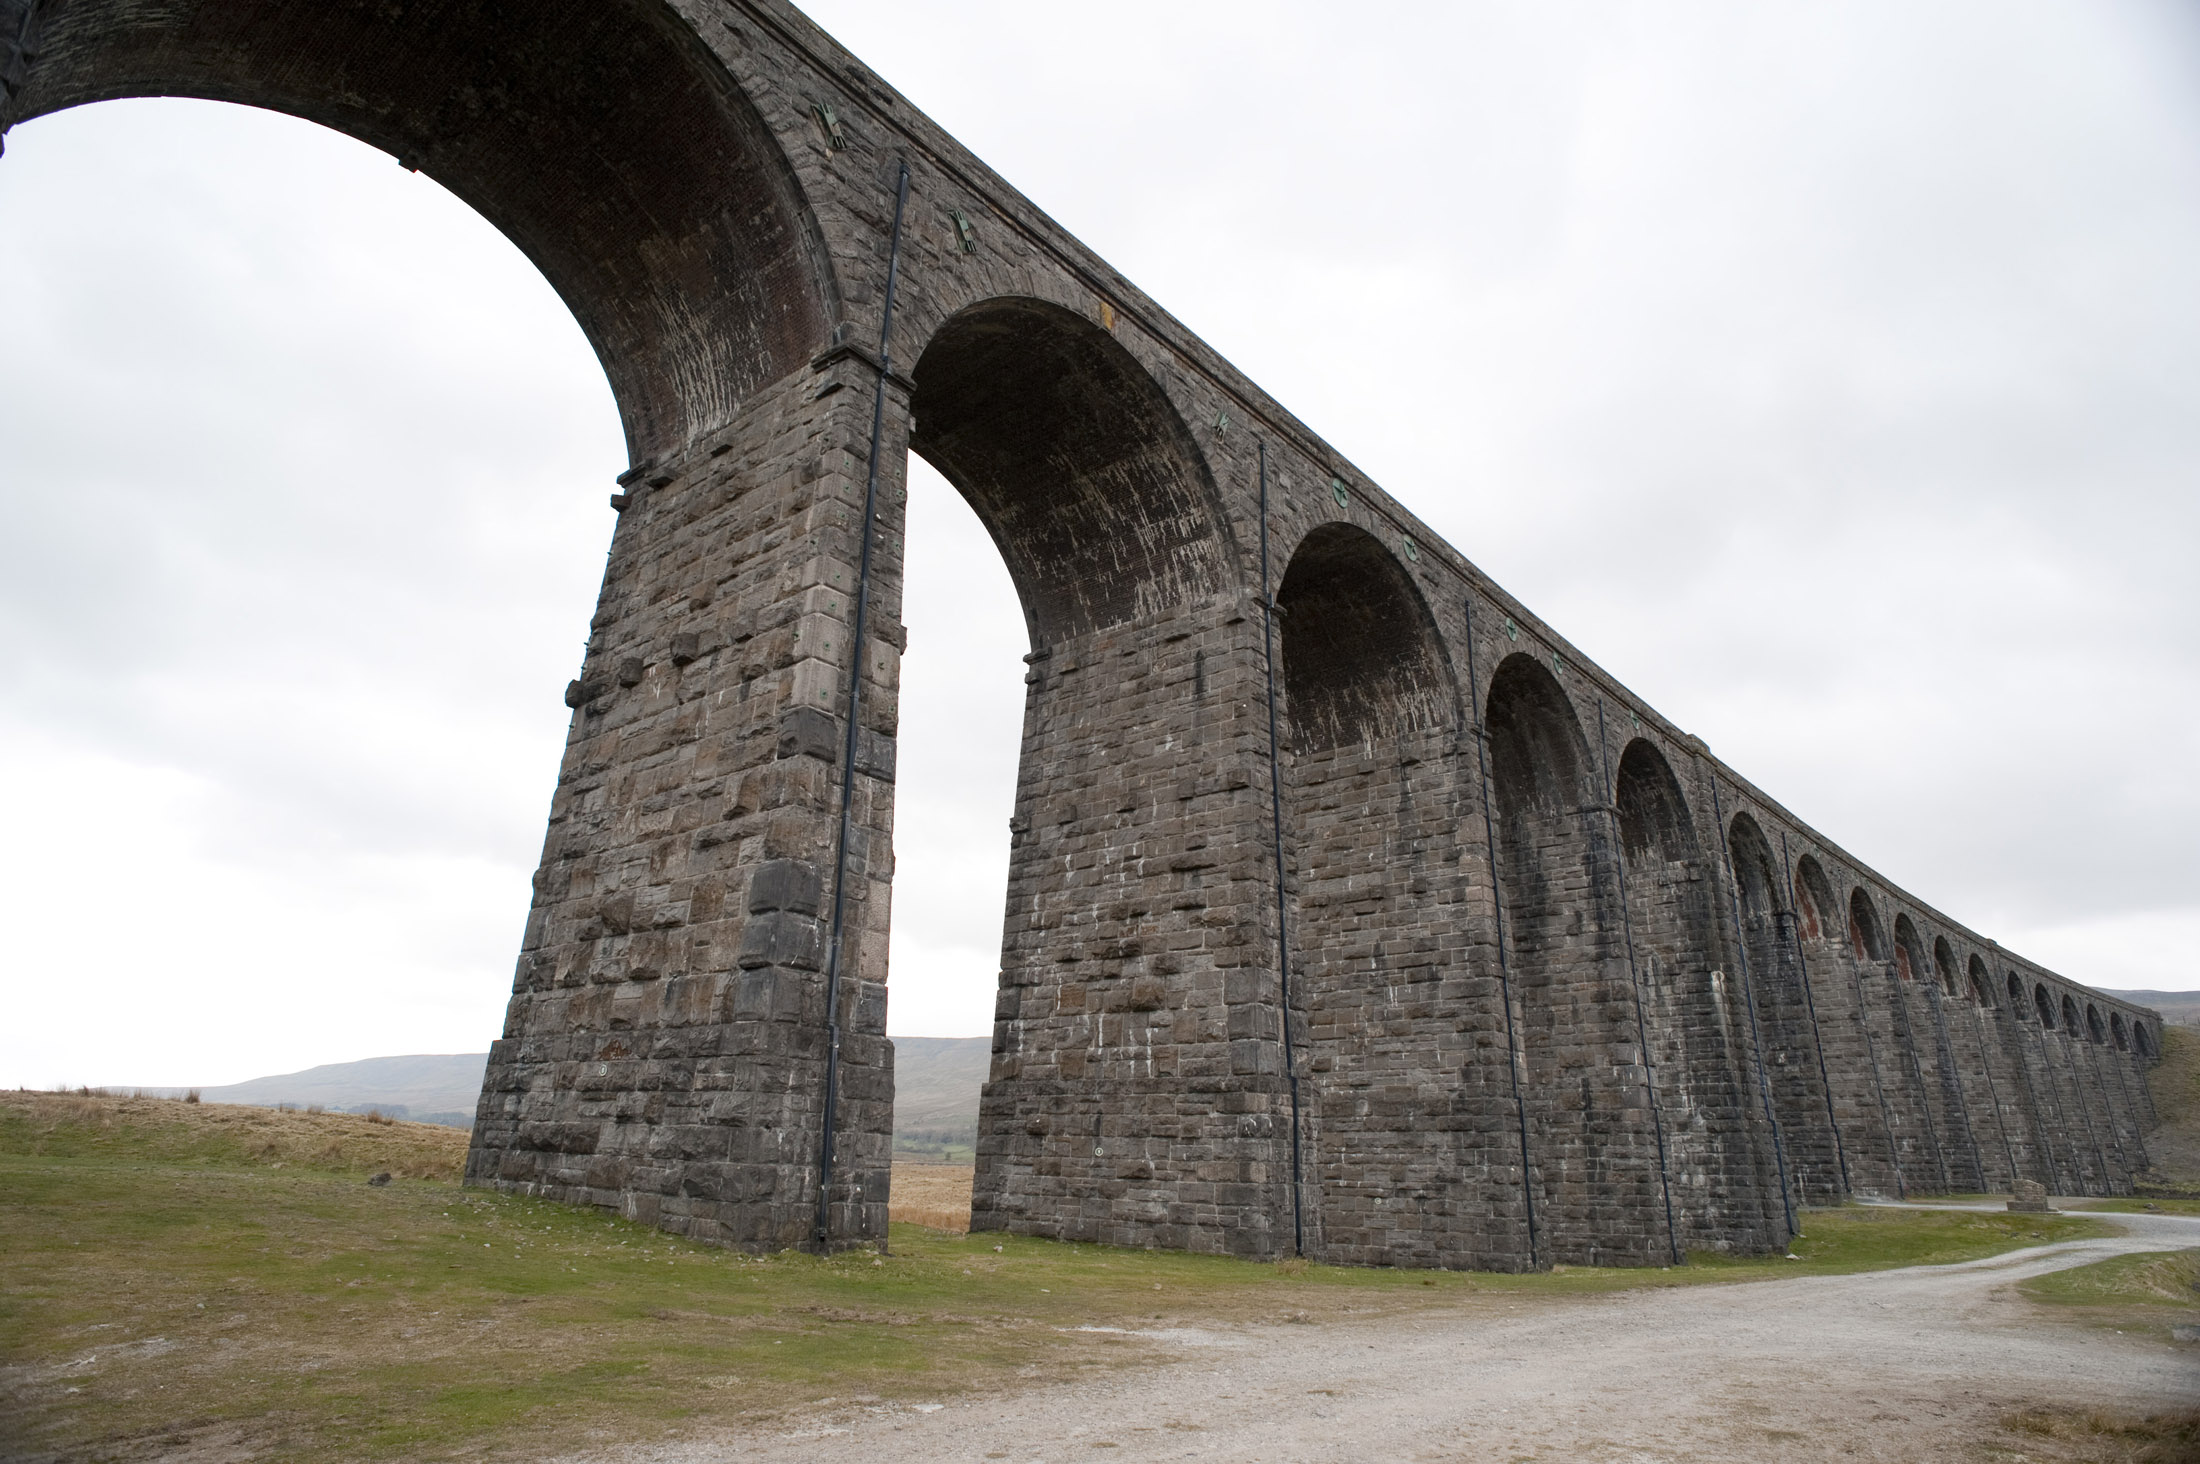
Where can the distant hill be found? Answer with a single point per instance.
(427, 1088)
(936, 1083)
(2179, 1007)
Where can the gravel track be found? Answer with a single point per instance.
(1914, 1364)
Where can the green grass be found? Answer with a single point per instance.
(2149, 1278)
(2159, 1204)
(2149, 1293)
(160, 1286)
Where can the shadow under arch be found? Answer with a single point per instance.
(603, 140)
(1688, 1033)
(1814, 903)
(1089, 482)
(1909, 950)
(1362, 660)
(1558, 878)
(1944, 965)
(1369, 707)
(1982, 984)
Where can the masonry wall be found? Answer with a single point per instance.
(1520, 1034)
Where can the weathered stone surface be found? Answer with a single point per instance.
(1562, 987)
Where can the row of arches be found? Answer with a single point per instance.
(1717, 1056)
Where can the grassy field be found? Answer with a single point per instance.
(2174, 1149)
(188, 1273)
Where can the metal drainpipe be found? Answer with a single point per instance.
(1749, 1002)
(1993, 1091)
(1810, 1005)
(1497, 907)
(1634, 974)
(855, 710)
(1954, 1078)
(1269, 611)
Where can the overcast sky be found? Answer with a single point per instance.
(1831, 374)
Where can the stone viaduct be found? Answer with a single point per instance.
(1560, 986)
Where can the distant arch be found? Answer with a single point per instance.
(1361, 654)
(2142, 1039)
(2045, 1005)
(1982, 983)
(1074, 459)
(1653, 816)
(1813, 898)
(1944, 963)
(2117, 1032)
(1909, 957)
(2070, 1019)
(2017, 1002)
(1866, 942)
(1537, 750)
(2095, 1029)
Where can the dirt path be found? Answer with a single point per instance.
(1896, 1365)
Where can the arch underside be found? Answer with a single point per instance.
(602, 139)
(1076, 463)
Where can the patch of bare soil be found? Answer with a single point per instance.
(1926, 1364)
(936, 1196)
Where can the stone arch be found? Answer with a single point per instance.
(2095, 1029)
(1701, 1101)
(2071, 1022)
(1982, 984)
(1813, 898)
(1866, 942)
(1086, 477)
(1944, 963)
(1929, 1052)
(1653, 816)
(2142, 1039)
(2117, 1032)
(1557, 877)
(2018, 1006)
(2045, 1006)
(1106, 515)
(1786, 1047)
(1909, 957)
(1369, 706)
(605, 141)
(1362, 660)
